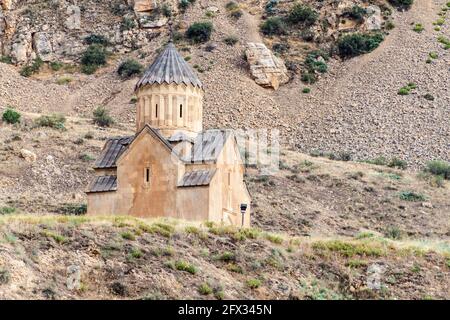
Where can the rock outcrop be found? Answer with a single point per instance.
(267, 69)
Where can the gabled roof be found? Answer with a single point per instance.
(113, 149)
(169, 67)
(208, 145)
(103, 184)
(197, 178)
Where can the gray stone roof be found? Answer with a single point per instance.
(103, 184)
(113, 149)
(197, 178)
(208, 145)
(169, 67)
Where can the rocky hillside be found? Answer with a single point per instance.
(124, 258)
(352, 101)
(46, 170)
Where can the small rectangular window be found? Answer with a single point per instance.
(156, 111)
(181, 111)
(147, 175)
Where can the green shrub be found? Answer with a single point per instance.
(231, 40)
(356, 12)
(199, 32)
(184, 4)
(433, 55)
(439, 168)
(33, 68)
(166, 10)
(94, 57)
(418, 27)
(253, 283)
(75, 209)
(445, 41)
(128, 23)
(4, 276)
(185, 266)
(102, 117)
(358, 43)
(7, 210)
(316, 61)
(129, 68)
(127, 235)
(398, 163)
(402, 3)
(56, 65)
(393, 233)
(96, 39)
(205, 289)
(6, 59)
(306, 90)
(411, 196)
(308, 77)
(302, 14)
(136, 253)
(270, 6)
(273, 26)
(429, 97)
(230, 6)
(11, 116)
(54, 120)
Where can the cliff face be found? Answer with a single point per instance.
(55, 30)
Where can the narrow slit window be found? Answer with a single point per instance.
(147, 175)
(156, 110)
(181, 111)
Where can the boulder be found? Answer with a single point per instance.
(28, 155)
(267, 69)
(6, 4)
(144, 5)
(73, 21)
(374, 19)
(42, 46)
(146, 23)
(20, 48)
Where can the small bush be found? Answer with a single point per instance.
(356, 12)
(357, 44)
(128, 23)
(205, 289)
(96, 39)
(102, 117)
(231, 40)
(429, 97)
(393, 233)
(302, 14)
(94, 57)
(185, 266)
(270, 6)
(348, 249)
(306, 90)
(406, 4)
(166, 10)
(33, 68)
(136, 253)
(418, 27)
(439, 168)
(4, 276)
(253, 283)
(274, 238)
(75, 209)
(55, 121)
(273, 26)
(407, 89)
(227, 256)
(127, 235)
(411, 196)
(56, 65)
(6, 59)
(398, 163)
(11, 116)
(129, 68)
(7, 210)
(433, 55)
(199, 32)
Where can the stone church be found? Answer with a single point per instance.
(170, 167)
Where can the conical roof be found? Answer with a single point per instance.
(169, 67)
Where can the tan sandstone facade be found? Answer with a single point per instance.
(170, 167)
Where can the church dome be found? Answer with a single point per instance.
(169, 67)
